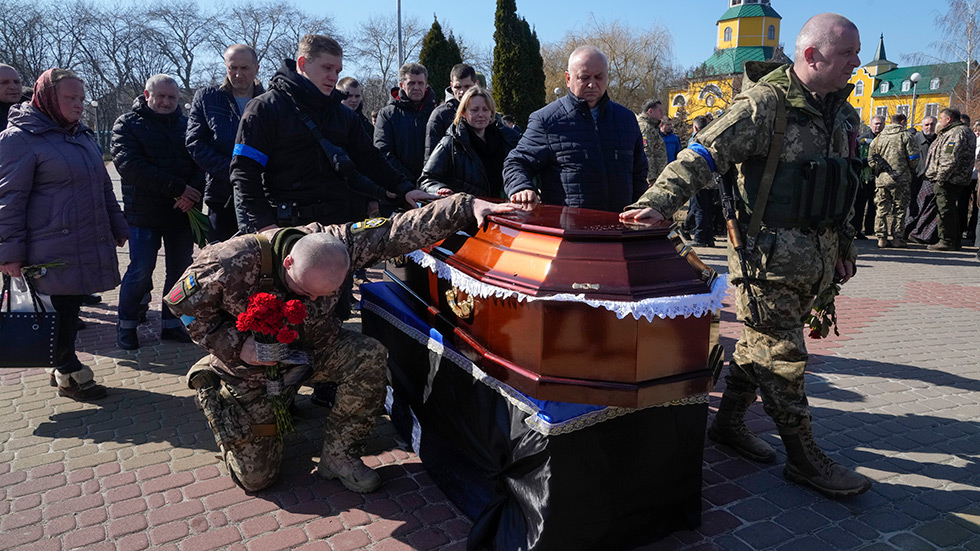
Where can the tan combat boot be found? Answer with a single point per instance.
(729, 428)
(352, 472)
(808, 466)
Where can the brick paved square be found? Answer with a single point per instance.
(138, 469)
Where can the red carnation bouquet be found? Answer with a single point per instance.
(270, 319)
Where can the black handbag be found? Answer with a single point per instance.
(27, 339)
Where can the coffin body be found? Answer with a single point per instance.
(530, 298)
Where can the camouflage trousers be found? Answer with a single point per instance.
(949, 198)
(358, 365)
(786, 268)
(891, 204)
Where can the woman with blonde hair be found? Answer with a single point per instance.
(470, 157)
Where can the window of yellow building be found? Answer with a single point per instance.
(859, 88)
(934, 84)
(728, 34)
(772, 32)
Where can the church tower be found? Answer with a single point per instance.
(748, 24)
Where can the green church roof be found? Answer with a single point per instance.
(732, 60)
(949, 75)
(749, 10)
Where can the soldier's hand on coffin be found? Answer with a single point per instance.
(845, 271)
(525, 196)
(416, 196)
(482, 208)
(248, 353)
(642, 216)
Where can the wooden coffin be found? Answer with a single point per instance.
(574, 349)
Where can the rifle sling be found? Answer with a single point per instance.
(772, 161)
(266, 283)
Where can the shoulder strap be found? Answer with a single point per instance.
(266, 283)
(772, 161)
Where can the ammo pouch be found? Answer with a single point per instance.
(814, 194)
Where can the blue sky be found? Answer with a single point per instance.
(907, 24)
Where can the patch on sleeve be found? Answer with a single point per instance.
(644, 140)
(183, 289)
(369, 224)
(950, 147)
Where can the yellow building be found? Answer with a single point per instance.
(747, 31)
(882, 88)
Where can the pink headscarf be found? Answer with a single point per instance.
(46, 96)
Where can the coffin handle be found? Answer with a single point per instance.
(462, 308)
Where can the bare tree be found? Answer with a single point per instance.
(272, 28)
(960, 28)
(640, 64)
(115, 58)
(480, 58)
(181, 32)
(376, 44)
(34, 39)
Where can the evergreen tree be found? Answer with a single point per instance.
(518, 69)
(439, 55)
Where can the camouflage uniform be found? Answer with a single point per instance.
(786, 267)
(216, 288)
(949, 167)
(653, 146)
(894, 160)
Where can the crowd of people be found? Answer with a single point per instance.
(303, 168)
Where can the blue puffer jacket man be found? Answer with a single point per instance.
(583, 160)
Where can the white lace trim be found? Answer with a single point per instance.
(662, 307)
(519, 400)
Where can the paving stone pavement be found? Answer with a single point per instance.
(897, 395)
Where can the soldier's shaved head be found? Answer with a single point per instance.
(821, 31)
(827, 53)
(317, 265)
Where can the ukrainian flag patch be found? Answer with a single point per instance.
(183, 289)
(369, 224)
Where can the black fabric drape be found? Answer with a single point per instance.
(620, 483)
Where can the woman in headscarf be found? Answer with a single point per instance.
(470, 157)
(57, 206)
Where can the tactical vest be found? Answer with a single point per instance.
(810, 194)
(814, 194)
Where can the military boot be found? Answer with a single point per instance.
(808, 466)
(729, 428)
(352, 472)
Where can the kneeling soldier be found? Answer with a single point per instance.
(307, 263)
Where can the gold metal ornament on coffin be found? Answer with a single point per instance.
(462, 308)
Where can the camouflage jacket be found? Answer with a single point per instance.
(653, 146)
(744, 132)
(951, 156)
(893, 157)
(215, 289)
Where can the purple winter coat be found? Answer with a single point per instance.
(57, 204)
